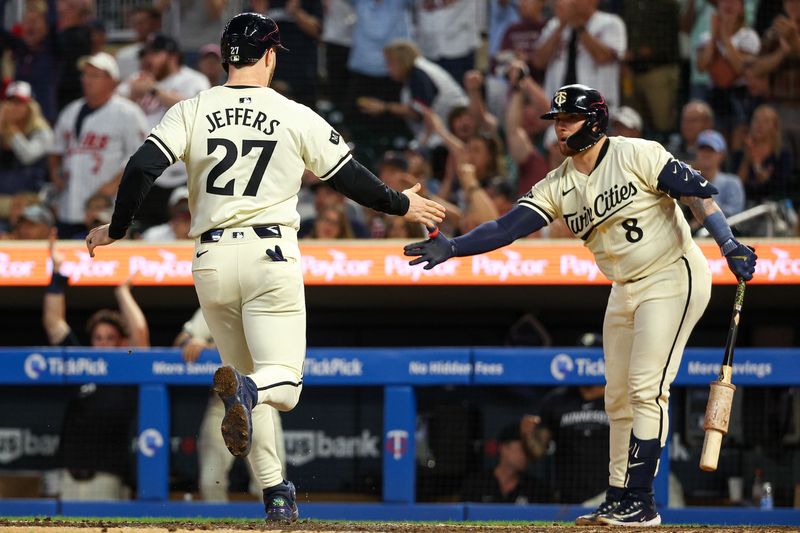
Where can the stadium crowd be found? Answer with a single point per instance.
(446, 93)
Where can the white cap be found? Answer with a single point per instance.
(178, 194)
(19, 89)
(628, 117)
(104, 62)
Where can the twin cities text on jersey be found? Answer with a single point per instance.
(241, 116)
(604, 205)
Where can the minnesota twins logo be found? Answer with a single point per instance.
(560, 98)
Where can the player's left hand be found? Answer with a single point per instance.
(437, 249)
(98, 237)
(742, 261)
(421, 209)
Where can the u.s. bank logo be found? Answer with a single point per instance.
(397, 443)
(35, 365)
(150, 440)
(561, 365)
(560, 98)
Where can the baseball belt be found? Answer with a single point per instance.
(269, 231)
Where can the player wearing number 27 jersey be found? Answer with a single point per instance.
(619, 196)
(246, 148)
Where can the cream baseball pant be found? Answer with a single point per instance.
(215, 461)
(255, 309)
(646, 327)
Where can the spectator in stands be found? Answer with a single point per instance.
(209, 64)
(144, 20)
(399, 228)
(35, 223)
(519, 40)
(763, 164)
(214, 461)
(724, 51)
(574, 419)
(11, 209)
(94, 137)
(502, 14)
(652, 59)
(695, 20)
(74, 42)
(626, 122)
(482, 119)
(502, 193)
(780, 60)
(526, 104)
(177, 227)
(202, 22)
(25, 140)
(696, 116)
(301, 27)
(377, 24)
(97, 36)
(447, 33)
(337, 37)
(507, 482)
(332, 223)
(711, 153)
(96, 436)
(35, 55)
(582, 45)
(425, 85)
(162, 82)
(326, 197)
(97, 212)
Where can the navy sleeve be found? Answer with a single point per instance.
(141, 172)
(517, 223)
(679, 179)
(358, 183)
(422, 88)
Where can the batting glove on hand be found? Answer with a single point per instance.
(741, 259)
(437, 249)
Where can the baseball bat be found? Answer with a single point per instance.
(720, 399)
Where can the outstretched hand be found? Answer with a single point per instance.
(437, 249)
(421, 209)
(98, 237)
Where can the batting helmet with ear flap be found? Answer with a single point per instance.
(581, 100)
(247, 37)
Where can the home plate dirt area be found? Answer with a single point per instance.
(46, 525)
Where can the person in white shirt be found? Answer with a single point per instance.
(94, 136)
(177, 227)
(582, 45)
(144, 21)
(162, 82)
(447, 34)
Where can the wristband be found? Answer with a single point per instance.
(57, 284)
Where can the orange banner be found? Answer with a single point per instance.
(535, 262)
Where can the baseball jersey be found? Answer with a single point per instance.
(186, 82)
(94, 149)
(245, 150)
(632, 228)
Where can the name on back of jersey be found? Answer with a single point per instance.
(241, 116)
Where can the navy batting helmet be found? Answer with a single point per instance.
(247, 37)
(581, 100)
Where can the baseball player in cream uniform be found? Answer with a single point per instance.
(619, 196)
(245, 148)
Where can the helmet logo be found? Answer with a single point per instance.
(560, 98)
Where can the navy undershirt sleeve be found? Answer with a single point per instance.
(517, 223)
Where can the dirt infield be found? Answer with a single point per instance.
(47, 525)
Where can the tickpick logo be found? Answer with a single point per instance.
(150, 440)
(561, 365)
(35, 365)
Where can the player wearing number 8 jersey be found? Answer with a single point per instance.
(619, 196)
(246, 149)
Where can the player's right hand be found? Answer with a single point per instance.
(437, 249)
(421, 209)
(742, 261)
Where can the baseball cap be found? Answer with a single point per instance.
(628, 117)
(104, 62)
(157, 42)
(712, 139)
(210, 49)
(38, 214)
(178, 195)
(394, 159)
(21, 90)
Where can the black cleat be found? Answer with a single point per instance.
(239, 394)
(613, 499)
(281, 503)
(635, 510)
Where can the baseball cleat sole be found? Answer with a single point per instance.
(236, 429)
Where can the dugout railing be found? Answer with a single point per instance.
(398, 372)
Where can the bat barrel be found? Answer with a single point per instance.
(711, 446)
